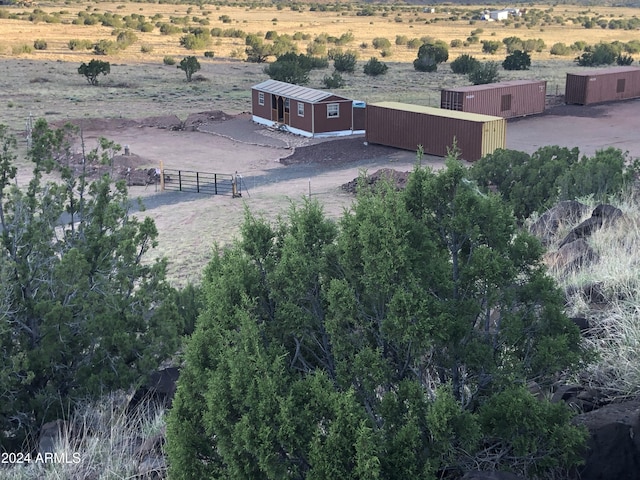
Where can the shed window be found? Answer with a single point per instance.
(505, 103)
(620, 86)
(286, 104)
(333, 110)
(260, 98)
(300, 109)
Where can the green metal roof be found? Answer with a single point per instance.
(440, 112)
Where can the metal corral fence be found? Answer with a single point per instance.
(201, 182)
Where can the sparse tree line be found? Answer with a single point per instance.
(531, 17)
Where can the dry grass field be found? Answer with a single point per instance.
(45, 84)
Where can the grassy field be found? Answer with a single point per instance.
(45, 83)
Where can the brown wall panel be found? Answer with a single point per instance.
(304, 122)
(262, 111)
(324, 124)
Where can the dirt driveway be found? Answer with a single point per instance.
(278, 168)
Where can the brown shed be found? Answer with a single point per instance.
(407, 126)
(515, 98)
(602, 85)
(301, 110)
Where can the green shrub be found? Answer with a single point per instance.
(40, 44)
(209, 54)
(534, 45)
(169, 60)
(560, 49)
(537, 431)
(464, 64)
(430, 55)
(414, 43)
(146, 27)
(146, 48)
(189, 65)
(345, 62)
(622, 59)
(345, 38)
(293, 68)
(456, 43)
(517, 60)
(425, 63)
(93, 69)
(486, 72)
(21, 49)
(377, 421)
(315, 48)
(374, 67)
(76, 44)
(380, 43)
(193, 41)
(105, 47)
(126, 38)
(402, 40)
(600, 54)
(632, 46)
(491, 46)
(579, 45)
(528, 183)
(512, 44)
(333, 81)
(169, 29)
(606, 175)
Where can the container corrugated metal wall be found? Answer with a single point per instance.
(602, 85)
(407, 126)
(516, 98)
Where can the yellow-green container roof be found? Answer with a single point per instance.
(441, 112)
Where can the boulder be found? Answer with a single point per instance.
(580, 399)
(567, 212)
(50, 435)
(593, 293)
(570, 256)
(613, 447)
(160, 388)
(601, 216)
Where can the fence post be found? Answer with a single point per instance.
(180, 180)
(215, 183)
(198, 182)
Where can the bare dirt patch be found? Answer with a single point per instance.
(278, 168)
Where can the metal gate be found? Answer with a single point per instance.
(201, 182)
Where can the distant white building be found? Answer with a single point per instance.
(498, 15)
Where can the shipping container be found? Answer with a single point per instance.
(407, 126)
(515, 98)
(602, 85)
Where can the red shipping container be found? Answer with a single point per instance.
(515, 98)
(407, 126)
(602, 85)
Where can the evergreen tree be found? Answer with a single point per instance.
(378, 347)
(83, 312)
